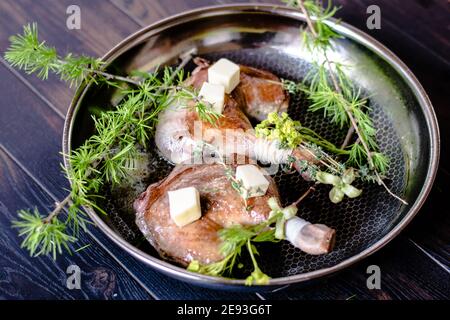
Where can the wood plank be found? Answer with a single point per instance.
(37, 147)
(147, 12)
(430, 229)
(432, 69)
(24, 277)
(430, 15)
(102, 26)
(423, 22)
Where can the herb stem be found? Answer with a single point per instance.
(308, 18)
(348, 112)
(348, 136)
(380, 181)
(114, 77)
(363, 141)
(320, 160)
(107, 75)
(252, 256)
(58, 208)
(303, 196)
(186, 57)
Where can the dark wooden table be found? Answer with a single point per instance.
(413, 266)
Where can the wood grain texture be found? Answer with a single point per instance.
(417, 32)
(147, 12)
(406, 273)
(415, 266)
(102, 26)
(22, 277)
(417, 21)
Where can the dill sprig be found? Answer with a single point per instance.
(27, 53)
(42, 236)
(332, 92)
(343, 108)
(107, 156)
(290, 134)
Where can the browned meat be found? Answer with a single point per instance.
(259, 93)
(232, 118)
(221, 205)
(200, 73)
(232, 133)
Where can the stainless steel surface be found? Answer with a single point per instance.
(265, 28)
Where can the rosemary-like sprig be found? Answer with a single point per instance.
(42, 235)
(107, 156)
(333, 93)
(203, 108)
(27, 53)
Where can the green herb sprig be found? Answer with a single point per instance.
(332, 92)
(42, 236)
(290, 134)
(107, 156)
(29, 54)
(342, 108)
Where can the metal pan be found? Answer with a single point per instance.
(267, 36)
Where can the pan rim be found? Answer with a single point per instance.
(343, 28)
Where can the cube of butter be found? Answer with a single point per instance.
(253, 180)
(184, 206)
(213, 94)
(224, 72)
